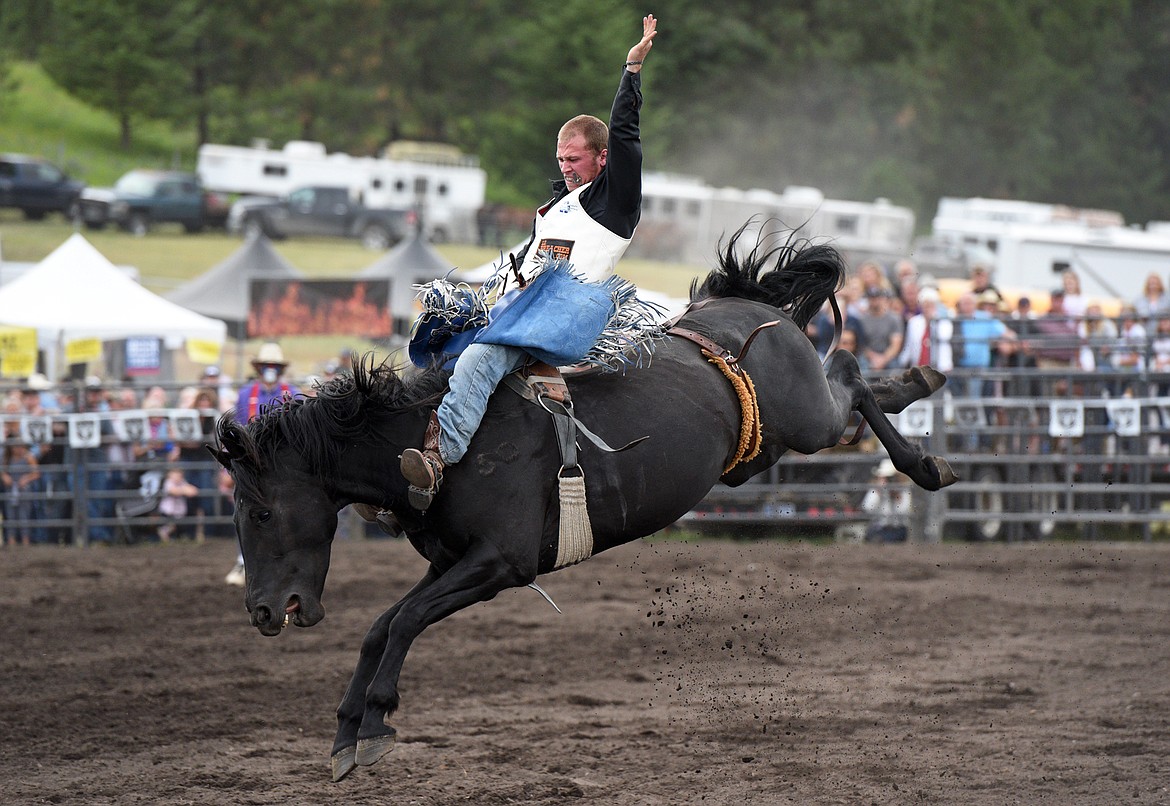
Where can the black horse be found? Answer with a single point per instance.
(495, 523)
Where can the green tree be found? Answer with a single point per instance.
(554, 62)
(112, 54)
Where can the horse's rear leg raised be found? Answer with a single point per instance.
(928, 472)
(893, 395)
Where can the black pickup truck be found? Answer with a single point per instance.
(36, 187)
(320, 211)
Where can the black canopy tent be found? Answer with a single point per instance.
(411, 262)
(224, 291)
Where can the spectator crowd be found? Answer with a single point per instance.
(892, 318)
(148, 477)
(896, 319)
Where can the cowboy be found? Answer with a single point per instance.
(591, 220)
(268, 387)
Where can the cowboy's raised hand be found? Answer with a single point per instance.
(638, 52)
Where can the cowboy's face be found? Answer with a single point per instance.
(579, 164)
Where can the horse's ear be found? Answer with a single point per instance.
(222, 455)
(229, 446)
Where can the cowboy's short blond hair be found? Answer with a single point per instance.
(594, 130)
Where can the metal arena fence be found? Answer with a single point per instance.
(1037, 450)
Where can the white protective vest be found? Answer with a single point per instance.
(567, 232)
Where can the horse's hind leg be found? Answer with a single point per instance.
(343, 757)
(928, 472)
(893, 395)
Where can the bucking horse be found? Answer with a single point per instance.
(735, 385)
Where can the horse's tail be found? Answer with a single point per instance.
(803, 277)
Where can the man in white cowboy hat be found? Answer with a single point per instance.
(888, 508)
(268, 386)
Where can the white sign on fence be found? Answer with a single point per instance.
(970, 416)
(917, 419)
(185, 425)
(1126, 416)
(36, 430)
(131, 426)
(85, 431)
(1066, 418)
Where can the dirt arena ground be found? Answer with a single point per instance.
(721, 673)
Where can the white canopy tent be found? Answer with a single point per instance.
(77, 293)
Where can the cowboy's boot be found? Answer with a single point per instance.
(423, 469)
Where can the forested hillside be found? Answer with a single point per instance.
(1048, 100)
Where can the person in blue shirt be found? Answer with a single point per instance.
(267, 387)
(977, 336)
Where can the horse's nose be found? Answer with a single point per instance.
(262, 617)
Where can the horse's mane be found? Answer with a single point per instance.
(317, 427)
(803, 277)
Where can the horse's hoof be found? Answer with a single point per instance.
(371, 749)
(928, 378)
(344, 762)
(942, 469)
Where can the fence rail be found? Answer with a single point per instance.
(1084, 450)
(1090, 450)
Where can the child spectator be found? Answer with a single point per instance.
(176, 491)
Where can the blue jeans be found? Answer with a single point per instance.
(95, 507)
(477, 372)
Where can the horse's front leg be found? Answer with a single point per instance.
(477, 577)
(353, 704)
(928, 472)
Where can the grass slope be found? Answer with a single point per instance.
(41, 118)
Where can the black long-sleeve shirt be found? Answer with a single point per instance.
(614, 197)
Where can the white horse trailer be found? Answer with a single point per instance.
(443, 185)
(1032, 243)
(683, 219)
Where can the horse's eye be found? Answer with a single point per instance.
(263, 515)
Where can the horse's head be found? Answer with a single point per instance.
(285, 521)
(297, 463)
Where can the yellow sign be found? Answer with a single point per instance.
(202, 351)
(18, 351)
(82, 351)
(18, 365)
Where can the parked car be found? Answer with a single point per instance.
(142, 198)
(36, 187)
(327, 211)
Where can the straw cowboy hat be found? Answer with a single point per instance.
(270, 354)
(885, 469)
